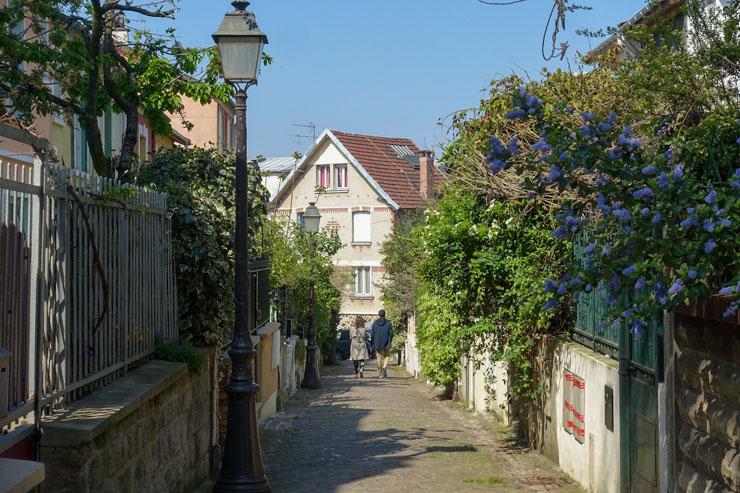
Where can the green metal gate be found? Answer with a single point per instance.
(640, 370)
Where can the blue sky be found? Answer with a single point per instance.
(385, 67)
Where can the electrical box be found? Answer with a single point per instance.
(4, 381)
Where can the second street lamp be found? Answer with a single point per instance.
(240, 44)
(311, 377)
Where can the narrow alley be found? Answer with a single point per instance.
(374, 435)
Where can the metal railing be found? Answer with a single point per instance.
(103, 283)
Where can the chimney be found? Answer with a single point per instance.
(426, 174)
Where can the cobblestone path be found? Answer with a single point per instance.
(370, 435)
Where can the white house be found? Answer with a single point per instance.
(366, 184)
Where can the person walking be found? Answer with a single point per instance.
(381, 340)
(358, 346)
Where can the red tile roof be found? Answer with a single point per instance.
(394, 174)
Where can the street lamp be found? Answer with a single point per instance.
(311, 377)
(240, 44)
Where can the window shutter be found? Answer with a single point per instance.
(361, 227)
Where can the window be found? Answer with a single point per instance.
(361, 227)
(363, 281)
(340, 172)
(323, 176)
(299, 219)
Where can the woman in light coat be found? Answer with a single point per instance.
(358, 346)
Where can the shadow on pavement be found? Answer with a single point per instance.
(330, 437)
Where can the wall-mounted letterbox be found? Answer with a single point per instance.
(609, 408)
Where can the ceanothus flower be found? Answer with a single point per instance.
(622, 214)
(513, 146)
(553, 174)
(533, 102)
(640, 283)
(603, 127)
(601, 180)
(692, 274)
(725, 222)
(550, 285)
(657, 218)
(708, 225)
(516, 114)
(649, 170)
(605, 250)
(590, 248)
(562, 289)
(541, 146)
(676, 287)
(587, 116)
(497, 165)
(727, 291)
(558, 233)
(497, 147)
(645, 211)
(587, 131)
(644, 193)
(628, 271)
(637, 327)
(628, 313)
(689, 222)
(627, 140)
(571, 223)
(550, 305)
(678, 172)
(668, 153)
(709, 246)
(732, 309)
(612, 117)
(614, 153)
(711, 196)
(663, 180)
(588, 288)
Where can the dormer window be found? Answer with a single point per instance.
(340, 171)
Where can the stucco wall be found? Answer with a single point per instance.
(336, 209)
(594, 464)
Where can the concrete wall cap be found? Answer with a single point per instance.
(87, 418)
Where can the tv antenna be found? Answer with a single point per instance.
(309, 125)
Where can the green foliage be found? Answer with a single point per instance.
(72, 44)
(400, 285)
(180, 352)
(299, 259)
(200, 187)
(482, 264)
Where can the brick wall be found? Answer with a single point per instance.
(707, 399)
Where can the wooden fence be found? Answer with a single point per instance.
(104, 285)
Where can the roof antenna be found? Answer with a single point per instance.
(310, 125)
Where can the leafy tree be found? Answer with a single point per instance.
(200, 199)
(297, 260)
(399, 289)
(75, 45)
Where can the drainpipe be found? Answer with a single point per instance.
(624, 417)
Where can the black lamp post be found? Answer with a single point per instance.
(311, 377)
(240, 44)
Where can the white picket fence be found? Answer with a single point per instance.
(102, 285)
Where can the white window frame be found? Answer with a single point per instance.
(363, 281)
(357, 236)
(339, 184)
(143, 133)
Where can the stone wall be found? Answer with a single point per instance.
(707, 352)
(163, 443)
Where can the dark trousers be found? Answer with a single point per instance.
(359, 364)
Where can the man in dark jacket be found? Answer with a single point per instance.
(381, 340)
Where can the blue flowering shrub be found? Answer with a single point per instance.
(655, 188)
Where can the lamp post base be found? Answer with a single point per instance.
(311, 376)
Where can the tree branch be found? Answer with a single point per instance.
(109, 7)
